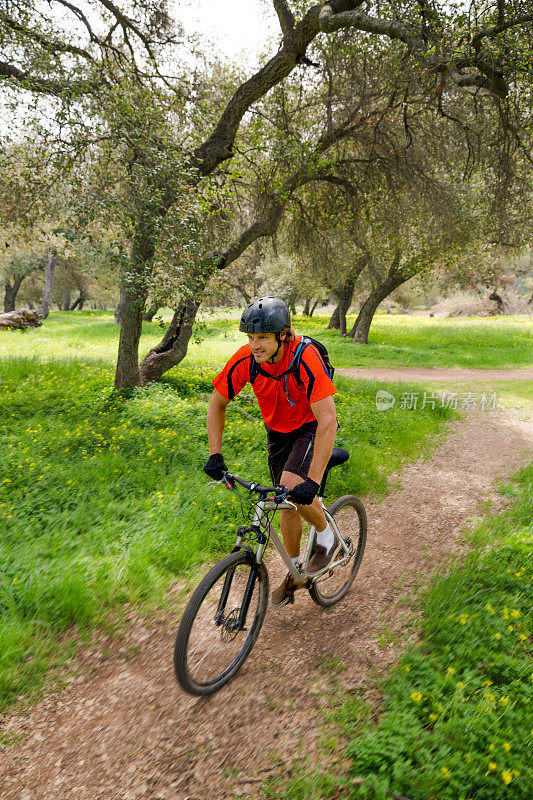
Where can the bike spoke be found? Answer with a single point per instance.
(214, 642)
(193, 670)
(200, 643)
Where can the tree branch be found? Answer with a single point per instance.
(268, 222)
(496, 29)
(48, 44)
(219, 146)
(286, 19)
(329, 22)
(44, 85)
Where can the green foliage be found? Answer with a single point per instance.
(457, 718)
(456, 723)
(103, 499)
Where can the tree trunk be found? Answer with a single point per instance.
(120, 304)
(66, 300)
(345, 294)
(395, 278)
(334, 320)
(151, 311)
(313, 307)
(127, 371)
(242, 289)
(497, 299)
(49, 270)
(134, 293)
(11, 291)
(173, 347)
(291, 302)
(307, 306)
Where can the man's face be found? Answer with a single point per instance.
(263, 345)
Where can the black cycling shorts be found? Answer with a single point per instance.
(291, 451)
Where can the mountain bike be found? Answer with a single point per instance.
(226, 611)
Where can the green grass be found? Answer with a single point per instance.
(103, 500)
(395, 340)
(457, 719)
(405, 341)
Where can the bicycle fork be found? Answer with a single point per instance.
(240, 622)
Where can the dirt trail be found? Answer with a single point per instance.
(448, 374)
(123, 729)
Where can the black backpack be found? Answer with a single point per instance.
(294, 366)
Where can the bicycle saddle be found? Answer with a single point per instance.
(338, 456)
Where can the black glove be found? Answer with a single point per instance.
(304, 493)
(215, 467)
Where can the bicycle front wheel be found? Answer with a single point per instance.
(213, 638)
(350, 517)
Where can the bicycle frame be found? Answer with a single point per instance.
(258, 524)
(265, 532)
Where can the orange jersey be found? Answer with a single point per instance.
(276, 410)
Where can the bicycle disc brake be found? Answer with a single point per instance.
(230, 627)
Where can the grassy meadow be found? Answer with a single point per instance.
(395, 340)
(456, 723)
(103, 501)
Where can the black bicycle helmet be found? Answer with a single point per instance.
(265, 315)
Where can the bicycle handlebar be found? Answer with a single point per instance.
(280, 492)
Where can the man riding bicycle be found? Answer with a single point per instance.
(300, 419)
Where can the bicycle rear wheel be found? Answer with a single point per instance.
(350, 517)
(211, 646)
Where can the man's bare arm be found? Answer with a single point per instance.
(324, 411)
(216, 420)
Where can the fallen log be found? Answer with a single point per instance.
(19, 320)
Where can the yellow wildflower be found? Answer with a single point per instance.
(445, 772)
(507, 776)
(506, 746)
(416, 697)
(504, 700)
